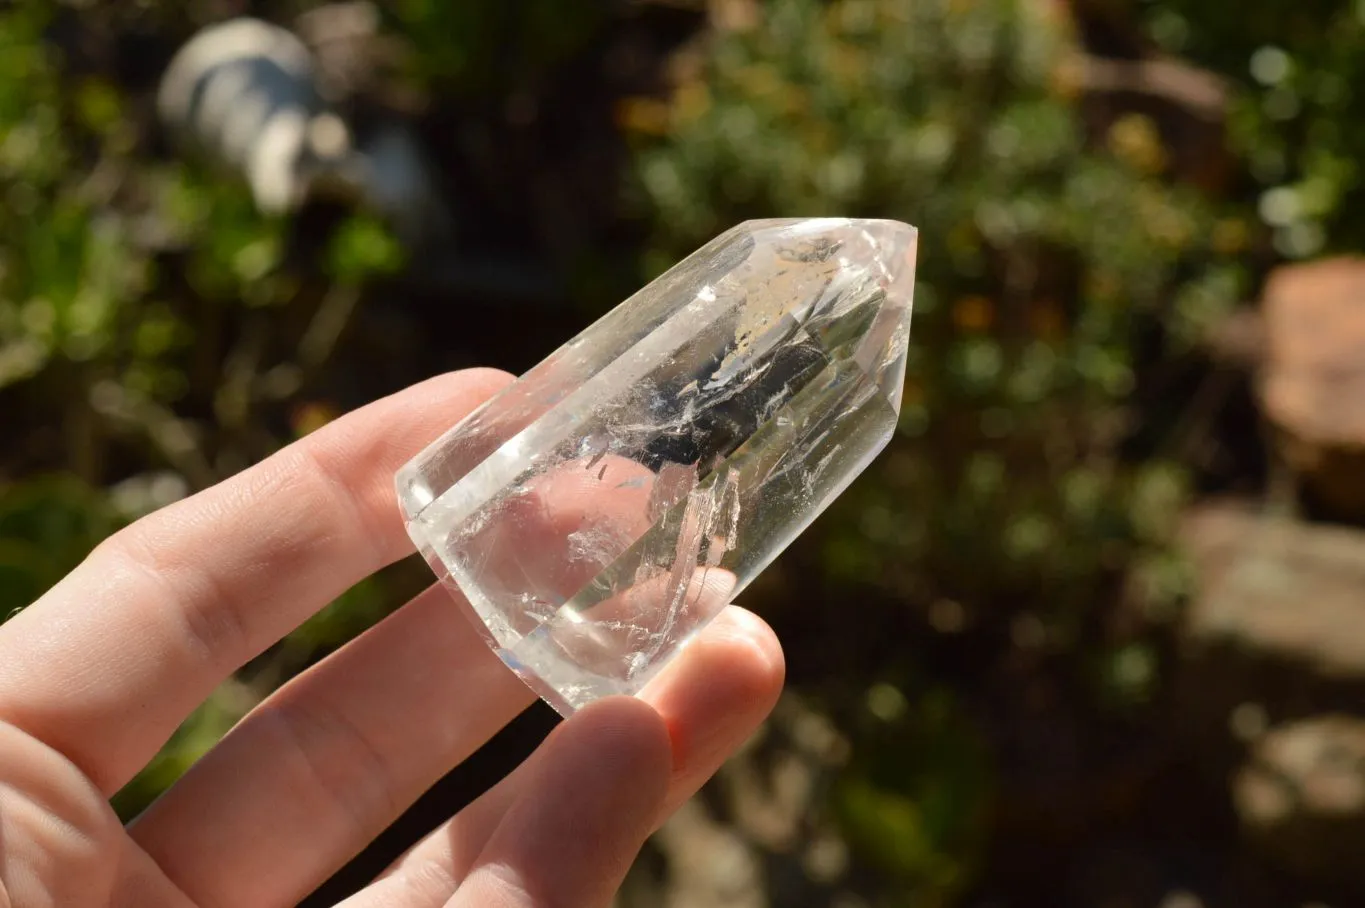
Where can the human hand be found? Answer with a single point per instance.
(96, 675)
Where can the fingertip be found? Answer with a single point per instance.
(742, 627)
(718, 692)
(581, 818)
(621, 737)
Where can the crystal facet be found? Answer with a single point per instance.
(603, 508)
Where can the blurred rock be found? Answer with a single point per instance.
(757, 835)
(1313, 389)
(1301, 798)
(710, 863)
(1276, 630)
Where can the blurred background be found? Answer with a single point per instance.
(1092, 631)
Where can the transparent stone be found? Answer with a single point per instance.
(603, 508)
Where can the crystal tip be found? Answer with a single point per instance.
(881, 250)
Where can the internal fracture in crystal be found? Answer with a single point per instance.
(602, 509)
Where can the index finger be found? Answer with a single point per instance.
(107, 664)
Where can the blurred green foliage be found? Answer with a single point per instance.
(1297, 118)
(485, 51)
(1043, 260)
(1047, 256)
(47, 525)
(156, 336)
(914, 799)
(64, 271)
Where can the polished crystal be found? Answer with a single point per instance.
(603, 508)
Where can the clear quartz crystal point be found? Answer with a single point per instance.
(603, 508)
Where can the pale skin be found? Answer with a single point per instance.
(96, 675)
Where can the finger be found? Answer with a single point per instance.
(108, 663)
(580, 817)
(712, 699)
(716, 696)
(320, 768)
(330, 759)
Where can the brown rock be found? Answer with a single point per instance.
(1301, 798)
(1276, 629)
(1313, 389)
(1273, 669)
(1281, 590)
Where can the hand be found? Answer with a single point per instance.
(96, 675)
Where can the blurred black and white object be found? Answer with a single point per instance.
(253, 96)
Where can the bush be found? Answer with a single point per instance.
(1045, 262)
(1054, 264)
